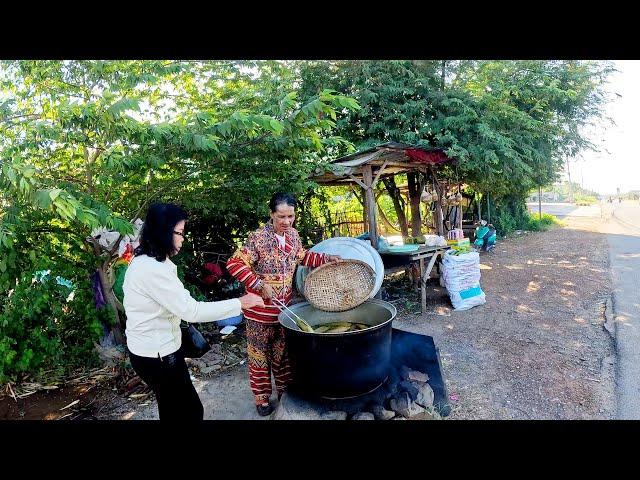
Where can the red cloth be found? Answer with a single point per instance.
(421, 156)
(127, 255)
(215, 273)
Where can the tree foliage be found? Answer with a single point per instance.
(92, 143)
(510, 124)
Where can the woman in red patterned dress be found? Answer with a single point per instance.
(265, 264)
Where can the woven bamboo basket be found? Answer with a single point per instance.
(339, 286)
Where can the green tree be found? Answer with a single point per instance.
(509, 124)
(85, 144)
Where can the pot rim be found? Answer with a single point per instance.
(392, 309)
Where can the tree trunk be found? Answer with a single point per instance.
(398, 203)
(109, 296)
(414, 199)
(438, 212)
(540, 201)
(386, 221)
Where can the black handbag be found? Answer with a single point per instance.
(194, 345)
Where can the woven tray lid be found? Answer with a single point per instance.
(339, 286)
(349, 249)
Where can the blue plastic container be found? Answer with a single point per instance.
(230, 321)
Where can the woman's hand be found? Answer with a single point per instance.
(266, 291)
(333, 258)
(251, 300)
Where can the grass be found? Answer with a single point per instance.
(585, 200)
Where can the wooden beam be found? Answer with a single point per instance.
(375, 180)
(366, 157)
(391, 163)
(389, 171)
(371, 205)
(358, 180)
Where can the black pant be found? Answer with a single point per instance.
(169, 379)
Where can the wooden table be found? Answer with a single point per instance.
(421, 255)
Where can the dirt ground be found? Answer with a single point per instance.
(86, 395)
(537, 349)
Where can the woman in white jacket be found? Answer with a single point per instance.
(155, 301)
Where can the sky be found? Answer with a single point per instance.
(616, 165)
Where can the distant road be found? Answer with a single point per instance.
(561, 210)
(628, 214)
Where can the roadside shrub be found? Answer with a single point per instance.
(49, 328)
(509, 214)
(537, 224)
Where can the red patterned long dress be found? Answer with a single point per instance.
(262, 259)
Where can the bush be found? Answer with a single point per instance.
(48, 328)
(537, 224)
(510, 213)
(505, 222)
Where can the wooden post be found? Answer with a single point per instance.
(365, 214)
(370, 202)
(425, 276)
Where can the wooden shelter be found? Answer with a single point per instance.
(367, 167)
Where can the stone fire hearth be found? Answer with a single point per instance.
(414, 390)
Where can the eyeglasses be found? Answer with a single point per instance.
(179, 233)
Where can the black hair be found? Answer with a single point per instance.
(156, 238)
(280, 198)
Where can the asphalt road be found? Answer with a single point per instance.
(621, 224)
(624, 243)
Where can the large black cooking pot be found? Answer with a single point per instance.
(340, 365)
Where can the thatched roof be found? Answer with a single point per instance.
(395, 157)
